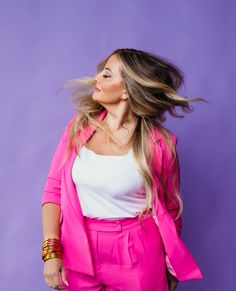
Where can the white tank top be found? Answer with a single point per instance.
(108, 187)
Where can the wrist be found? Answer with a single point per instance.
(51, 248)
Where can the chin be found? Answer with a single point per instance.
(95, 98)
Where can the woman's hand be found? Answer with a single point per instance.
(54, 274)
(172, 281)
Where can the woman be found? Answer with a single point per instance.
(112, 207)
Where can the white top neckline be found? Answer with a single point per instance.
(111, 156)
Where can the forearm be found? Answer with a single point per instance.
(51, 220)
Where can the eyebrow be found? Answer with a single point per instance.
(108, 69)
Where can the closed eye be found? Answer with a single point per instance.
(106, 76)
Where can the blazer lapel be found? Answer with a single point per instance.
(71, 189)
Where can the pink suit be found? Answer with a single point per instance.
(61, 190)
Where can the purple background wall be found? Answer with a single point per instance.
(45, 43)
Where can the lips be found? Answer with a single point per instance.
(97, 89)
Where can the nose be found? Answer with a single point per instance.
(97, 78)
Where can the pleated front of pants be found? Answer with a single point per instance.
(127, 255)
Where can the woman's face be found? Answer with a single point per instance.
(110, 85)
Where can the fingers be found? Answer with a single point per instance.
(173, 286)
(63, 275)
(54, 281)
(52, 273)
(172, 282)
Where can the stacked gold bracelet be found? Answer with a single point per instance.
(51, 248)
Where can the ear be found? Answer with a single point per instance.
(125, 95)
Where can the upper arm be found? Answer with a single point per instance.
(52, 188)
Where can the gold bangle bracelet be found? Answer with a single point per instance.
(51, 256)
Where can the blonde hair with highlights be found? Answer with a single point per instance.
(152, 83)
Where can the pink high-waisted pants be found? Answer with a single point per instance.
(127, 256)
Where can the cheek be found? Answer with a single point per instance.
(112, 89)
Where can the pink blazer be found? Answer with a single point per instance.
(60, 189)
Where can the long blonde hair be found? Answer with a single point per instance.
(151, 82)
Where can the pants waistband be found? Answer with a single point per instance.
(116, 224)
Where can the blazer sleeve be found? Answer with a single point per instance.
(171, 202)
(52, 188)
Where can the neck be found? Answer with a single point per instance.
(118, 118)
